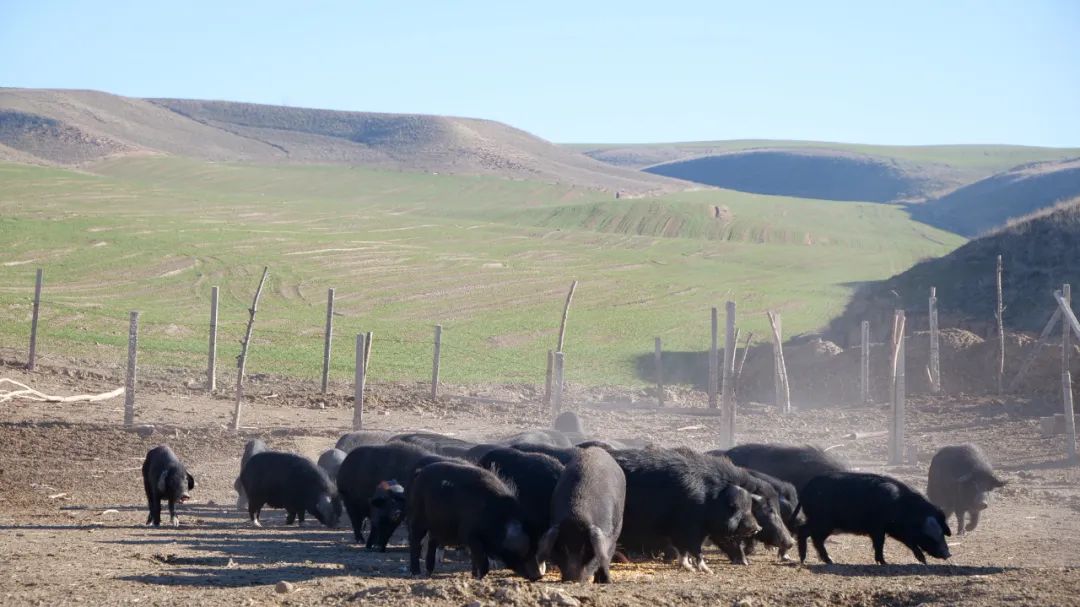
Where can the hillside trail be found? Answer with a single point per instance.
(72, 509)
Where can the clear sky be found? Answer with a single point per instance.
(910, 72)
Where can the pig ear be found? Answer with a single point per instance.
(547, 543)
(190, 482)
(932, 527)
(161, 481)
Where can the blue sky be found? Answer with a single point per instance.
(875, 72)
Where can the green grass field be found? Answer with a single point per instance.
(489, 259)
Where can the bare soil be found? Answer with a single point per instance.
(72, 508)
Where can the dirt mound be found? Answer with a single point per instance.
(54, 141)
(821, 373)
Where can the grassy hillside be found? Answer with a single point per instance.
(992, 202)
(830, 171)
(984, 159)
(488, 258)
(1039, 254)
(68, 127)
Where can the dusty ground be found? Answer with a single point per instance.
(71, 504)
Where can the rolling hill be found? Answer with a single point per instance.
(66, 127)
(832, 171)
(991, 202)
(1039, 254)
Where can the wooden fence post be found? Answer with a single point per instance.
(328, 340)
(658, 364)
(742, 361)
(369, 338)
(728, 387)
(780, 379)
(132, 361)
(547, 377)
(435, 363)
(31, 359)
(1001, 330)
(1066, 380)
(935, 349)
(864, 364)
(360, 381)
(557, 387)
(211, 359)
(565, 311)
(241, 361)
(714, 360)
(896, 429)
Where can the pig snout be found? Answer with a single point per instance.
(185, 496)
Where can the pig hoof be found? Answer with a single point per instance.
(702, 567)
(256, 523)
(684, 562)
(174, 521)
(543, 569)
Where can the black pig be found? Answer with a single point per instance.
(874, 505)
(464, 505)
(586, 517)
(292, 482)
(165, 478)
(960, 479)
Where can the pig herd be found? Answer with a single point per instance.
(555, 497)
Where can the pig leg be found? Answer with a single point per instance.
(803, 534)
(878, 538)
(173, 519)
(300, 518)
(819, 545)
(974, 514)
(253, 511)
(290, 518)
(960, 521)
(417, 531)
(149, 499)
(480, 564)
(356, 517)
(429, 557)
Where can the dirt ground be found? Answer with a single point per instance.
(72, 507)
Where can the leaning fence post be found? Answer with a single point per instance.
(360, 382)
(241, 361)
(435, 363)
(714, 360)
(1066, 380)
(658, 364)
(780, 380)
(328, 340)
(557, 387)
(547, 377)
(896, 429)
(728, 387)
(129, 381)
(935, 350)
(864, 365)
(31, 360)
(1001, 330)
(211, 359)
